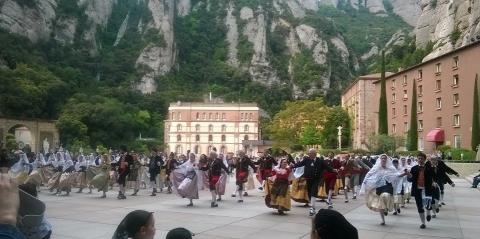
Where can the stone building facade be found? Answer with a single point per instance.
(199, 127)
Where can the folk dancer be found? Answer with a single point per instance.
(379, 186)
(184, 180)
(278, 188)
(422, 176)
(134, 174)
(241, 173)
(399, 192)
(154, 168)
(313, 173)
(99, 176)
(214, 169)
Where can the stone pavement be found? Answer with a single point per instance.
(89, 217)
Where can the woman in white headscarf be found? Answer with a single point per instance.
(184, 180)
(379, 186)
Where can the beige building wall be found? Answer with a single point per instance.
(358, 99)
(444, 94)
(199, 127)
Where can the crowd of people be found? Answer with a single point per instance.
(388, 183)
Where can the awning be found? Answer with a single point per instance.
(436, 135)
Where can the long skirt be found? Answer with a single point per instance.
(398, 199)
(46, 173)
(101, 181)
(66, 181)
(322, 192)
(185, 187)
(273, 199)
(299, 191)
(53, 181)
(379, 203)
(81, 180)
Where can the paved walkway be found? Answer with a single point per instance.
(87, 216)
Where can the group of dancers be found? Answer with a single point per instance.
(390, 183)
(387, 183)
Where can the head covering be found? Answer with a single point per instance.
(179, 233)
(131, 224)
(330, 224)
(378, 175)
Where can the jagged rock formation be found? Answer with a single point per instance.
(250, 27)
(448, 24)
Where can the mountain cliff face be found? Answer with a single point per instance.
(314, 47)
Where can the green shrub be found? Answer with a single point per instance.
(457, 154)
(444, 148)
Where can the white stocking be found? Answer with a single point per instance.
(313, 201)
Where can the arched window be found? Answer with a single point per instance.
(223, 150)
(224, 138)
(210, 128)
(173, 115)
(179, 116)
(179, 138)
(210, 148)
(245, 137)
(250, 116)
(246, 128)
(179, 127)
(198, 116)
(197, 138)
(210, 138)
(241, 116)
(196, 149)
(204, 116)
(224, 116)
(217, 116)
(197, 127)
(224, 128)
(210, 115)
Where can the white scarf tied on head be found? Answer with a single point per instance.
(378, 176)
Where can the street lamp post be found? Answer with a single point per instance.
(339, 137)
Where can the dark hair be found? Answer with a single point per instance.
(131, 224)
(330, 224)
(421, 154)
(179, 233)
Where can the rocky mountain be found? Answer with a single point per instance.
(314, 47)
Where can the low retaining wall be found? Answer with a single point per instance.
(464, 169)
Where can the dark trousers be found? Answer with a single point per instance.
(312, 187)
(153, 176)
(476, 181)
(122, 178)
(419, 202)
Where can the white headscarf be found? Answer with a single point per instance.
(378, 176)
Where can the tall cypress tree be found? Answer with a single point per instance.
(412, 138)
(476, 117)
(382, 108)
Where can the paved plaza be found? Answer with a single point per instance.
(87, 216)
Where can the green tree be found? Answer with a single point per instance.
(382, 108)
(288, 124)
(337, 116)
(476, 117)
(310, 136)
(412, 136)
